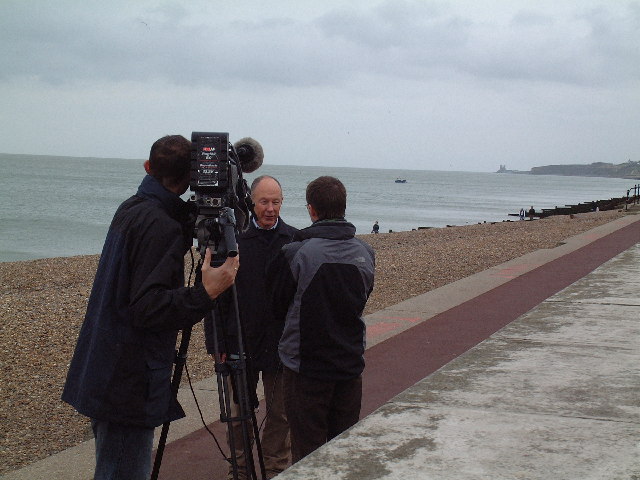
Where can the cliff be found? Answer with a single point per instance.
(599, 169)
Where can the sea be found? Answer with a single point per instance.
(62, 206)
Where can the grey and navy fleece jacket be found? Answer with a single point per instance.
(319, 285)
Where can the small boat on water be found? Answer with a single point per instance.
(401, 180)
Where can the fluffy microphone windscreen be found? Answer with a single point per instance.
(250, 154)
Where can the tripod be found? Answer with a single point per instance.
(219, 234)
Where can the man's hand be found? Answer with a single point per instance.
(217, 279)
(222, 357)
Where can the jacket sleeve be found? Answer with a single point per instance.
(156, 261)
(281, 286)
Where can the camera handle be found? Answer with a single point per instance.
(226, 246)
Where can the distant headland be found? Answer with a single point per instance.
(628, 169)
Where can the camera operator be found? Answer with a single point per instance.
(319, 285)
(120, 374)
(266, 234)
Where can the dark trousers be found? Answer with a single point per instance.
(318, 410)
(123, 452)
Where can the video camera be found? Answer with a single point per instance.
(221, 196)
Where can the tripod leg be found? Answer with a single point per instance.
(246, 415)
(235, 436)
(239, 380)
(181, 358)
(256, 435)
(236, 413)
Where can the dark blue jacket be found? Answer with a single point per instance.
(261, 332)
(122, 365)
(319, 285)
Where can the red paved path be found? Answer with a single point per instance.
(397, 363)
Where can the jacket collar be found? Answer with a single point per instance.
(258, 227)
(333, 229)
(152, 189)
(254, 231)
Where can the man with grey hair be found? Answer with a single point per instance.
(266, 234)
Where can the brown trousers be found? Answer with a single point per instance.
(275, 436)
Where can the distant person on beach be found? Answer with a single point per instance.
(267, 233)
(120, 374)
(522, 214)
(319, 285)
(532, 213)
(376, 228)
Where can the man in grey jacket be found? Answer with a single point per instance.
(319, 285)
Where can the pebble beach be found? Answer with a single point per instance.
(42, 304)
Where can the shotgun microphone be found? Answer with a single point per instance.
(250, 154)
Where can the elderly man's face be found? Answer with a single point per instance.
(267, 197)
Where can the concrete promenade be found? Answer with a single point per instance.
(553, 395)
(528, 370)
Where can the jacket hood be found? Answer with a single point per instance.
(334, 229)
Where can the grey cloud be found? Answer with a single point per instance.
(593, 49)
(396, 25)
(165, 44)
(614, 41)
(421, 41)
(406, 39)
(529, 18)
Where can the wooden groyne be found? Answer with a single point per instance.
(632, 197)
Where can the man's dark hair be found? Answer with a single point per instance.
(328, 197)
(170, 158)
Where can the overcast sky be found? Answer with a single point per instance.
(433, 85)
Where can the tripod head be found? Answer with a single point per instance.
(219, 234)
